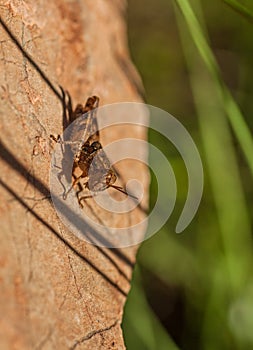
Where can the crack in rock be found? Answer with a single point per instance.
(92, 334)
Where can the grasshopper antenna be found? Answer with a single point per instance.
(120, 189)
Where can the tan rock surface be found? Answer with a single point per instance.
(57, 292)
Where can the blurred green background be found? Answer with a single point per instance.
(194, 290)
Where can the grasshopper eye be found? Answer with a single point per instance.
(96, 145)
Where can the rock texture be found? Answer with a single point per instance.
(57, 291)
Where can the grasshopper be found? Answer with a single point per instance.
(89, 152)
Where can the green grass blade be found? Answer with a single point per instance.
(146, 330)
(232, 110)
(213, 101)
(240, 8)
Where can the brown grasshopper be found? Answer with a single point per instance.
(89, 152)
